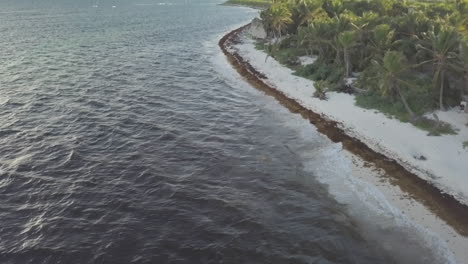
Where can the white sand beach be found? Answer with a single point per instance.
(445, 162)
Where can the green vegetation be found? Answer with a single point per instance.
(465, 144)
(321, 88)
(410, 57)
(252, 3)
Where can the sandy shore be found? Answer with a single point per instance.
(413, 189)
(440, 160)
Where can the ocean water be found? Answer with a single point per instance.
(126, 137)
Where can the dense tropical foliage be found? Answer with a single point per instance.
(409, 56)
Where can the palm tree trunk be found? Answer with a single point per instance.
(405, 103)
(271, 46)
(466, 85)
(464, 89)
(346, 60)
(337, 57)
(462, 55)
(321, 52)
(441, 94)
(465, 72)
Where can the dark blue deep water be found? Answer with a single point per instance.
(125, 137)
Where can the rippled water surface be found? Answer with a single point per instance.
(125, 137)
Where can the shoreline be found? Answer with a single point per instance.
(453, 212)
(260, 6)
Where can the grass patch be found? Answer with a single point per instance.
(391, 109)
(397, 110)
(286, 55)
(435, 128)
(419, 97)
(319, 71)
(259, 45)
(465, 144)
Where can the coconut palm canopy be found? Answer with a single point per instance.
(349, 35)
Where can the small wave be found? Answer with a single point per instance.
(18, 163)
(4, 100)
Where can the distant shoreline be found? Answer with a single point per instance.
(247, 3)
(447, 207)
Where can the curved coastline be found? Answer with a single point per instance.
(446, 207)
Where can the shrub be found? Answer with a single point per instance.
(320, 71)
(321, 88)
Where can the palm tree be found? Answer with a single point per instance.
(318, 36)
(442, 47)
(382, 38)
(305, 39)
(281, 19)
(278, 17)
(459, 20)
(333, 7)
(276, 20)
(464, 63)
(391, 75)
(363, 26)
(347, 40)
(303, 12)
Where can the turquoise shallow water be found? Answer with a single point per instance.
(124, 140)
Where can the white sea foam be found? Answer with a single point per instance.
(383, 222)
